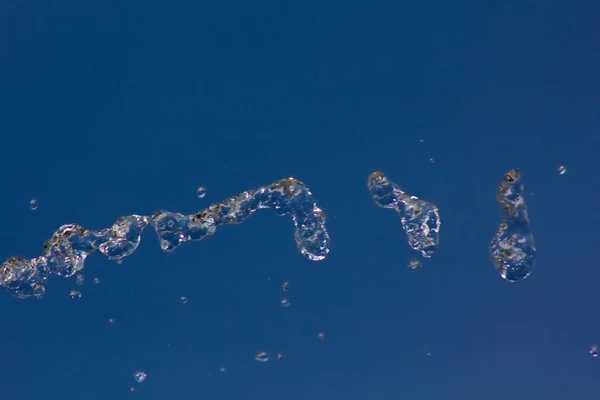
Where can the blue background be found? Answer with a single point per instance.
(111, 108)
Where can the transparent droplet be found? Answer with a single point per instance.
(96, 280)
(321, 335)
(420, 219)
(261, 356)
(111, 321)
(431, 160)
(285, 286)
(119, 262)
(414, 265)
(421, 140)
(561, 169)
(132, 389)
(75, 294)
(279, 356)
(512, 249)
(33, 204)
(594, 350)
(79, 279)
(183, 299)
(222, 370)
(139, 376)
(285, 303)
(201, 192)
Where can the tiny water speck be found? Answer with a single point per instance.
(119, 261)
(33, 204)
(96, 280)
(414, 265)
(285, 286)
(261, 356)
(431, 160)
(139, 376)
(279, 356)
(75, 294)
(131, 389)
(594, 350)
(285, 303)
(321, 335)
(222, 370)
(561, 169)
(111, 321)
(79, 279)
(201, 192)
(183, 299)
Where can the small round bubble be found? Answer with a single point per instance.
(139, 376)
(201, 192)
(414, 265)
(33, 204)
(183, 300)
(561, 169)
(321, 335)
(261, 356)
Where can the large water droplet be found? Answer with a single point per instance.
(420, 219)
(512, 249)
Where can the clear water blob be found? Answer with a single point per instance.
(33, 204)
(279, 356)
(420, 219)
(285, 286)
(261, 356)
(140, 376)
(183, 300)
(561, 169)
(64, 254)
(414, 265)
(512, 249)
(594, 350)
(132, 389)
(222, 370)
(96, 280)
(285, 303)
(75, 294)
(201, 192)
(79, 279)
(321, 335)
(112, 321)
(431, 160)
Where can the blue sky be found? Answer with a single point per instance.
(110, 109)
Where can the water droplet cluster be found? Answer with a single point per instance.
(65, 252)
(512, 249)
(420, 219)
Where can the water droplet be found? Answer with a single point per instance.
(321, 335)
(132, 389)
(594, 350)
(183, 299)
(79, 279)
(512, 249)
(75, 294)
(201, 192)
(33, 204)
(421, 140)
(428, 354)
(414, 265)
(111, 321)
(285, 303)
(420, 219)
(285, 286)
(222, 370)
(561, 169)
(96, 280)
(279, 356)
(119, 262)
(261, 356)
(431, 160)
(139, 376)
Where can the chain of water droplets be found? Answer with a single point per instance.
(420, 219)
(512, 249)
(65, 252)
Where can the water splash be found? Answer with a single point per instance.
(420, 218)
(65, 252)
(512, 249)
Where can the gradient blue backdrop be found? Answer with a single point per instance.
(109, 108)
